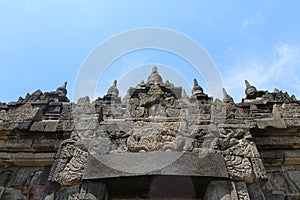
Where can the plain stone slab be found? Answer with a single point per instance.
(50, 125)
(278, 142)
(38, 126)
(85, 124)
(155, 163)
(18, 144)
(220, 189)
(83, 100)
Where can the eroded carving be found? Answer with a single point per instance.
(70, 163)
(242, 158)
(242, 191)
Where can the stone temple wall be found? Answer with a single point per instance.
(155, 143)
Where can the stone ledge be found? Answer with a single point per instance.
(281, 157)
(27, 159)
(292, 142)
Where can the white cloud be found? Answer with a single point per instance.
(252, 21)
(266, 72)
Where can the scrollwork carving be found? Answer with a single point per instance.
(241, 156)
(69, 165)
(163, 137)
(242, 191)
(239, 167)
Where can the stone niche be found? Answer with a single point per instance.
(155, 143)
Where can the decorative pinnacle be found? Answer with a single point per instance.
(247, 84)
(195, 82)
(224, 92)
(154, 76)
(64, 86)
(196, 89)
(227, 98)
(154, 69)
(62, 89)
(250, 90)
(113, 90)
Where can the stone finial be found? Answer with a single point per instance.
(113, 90)
(154, 69)
(154, 77)
(195, 83)
(197, 89)
(62, 90)
(227, 98)
(247, 84)
(64, 85)
(184, 95)
(167, 83)
(250, 90)
(276, 90)
(293, 97)
(141, 85)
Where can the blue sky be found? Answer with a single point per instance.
(44, 43)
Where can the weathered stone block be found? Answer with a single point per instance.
(86, 125)
(5, 158)
(278, 142)
(66, 113)
(83, 110)
(101, 145)
(25, 125)
(44, 159)
(68, 125)
(221, 189)
(2, 144)
(51, 125)
(45, 144)
(11, 193)
(18, 144)
(12, 125)
(38, 126)
(23, 159)
(3, 115)
(273, 158)
(280, 184)
(292, 157)
(255, 192)
(83, 100)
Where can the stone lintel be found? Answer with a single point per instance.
(155, 163)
